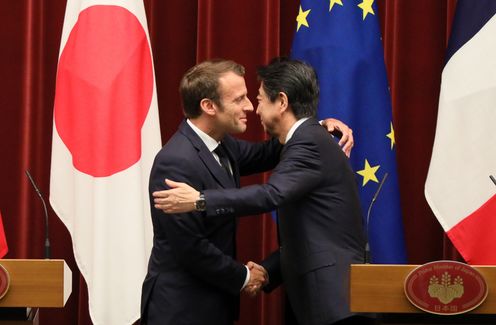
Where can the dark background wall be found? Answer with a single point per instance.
(182, 33)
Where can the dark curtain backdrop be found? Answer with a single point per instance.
(182, 33)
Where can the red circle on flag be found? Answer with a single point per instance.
(104, 90)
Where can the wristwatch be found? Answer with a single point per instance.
(201, 204)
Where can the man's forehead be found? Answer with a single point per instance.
(232, 84)
(230, 77)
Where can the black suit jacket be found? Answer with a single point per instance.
(320, 223)
(193, 277)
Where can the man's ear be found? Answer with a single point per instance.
(208, 106)
(283, 100)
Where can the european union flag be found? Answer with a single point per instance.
(341, 39)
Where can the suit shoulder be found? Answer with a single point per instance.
(311, 133)
(314, 137)
(177, 145)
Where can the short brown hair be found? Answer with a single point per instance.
(202, 81)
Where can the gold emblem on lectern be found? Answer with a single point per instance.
(445, 291)
(4, 281)
(445, 287)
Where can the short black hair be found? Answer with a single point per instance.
(296, 79)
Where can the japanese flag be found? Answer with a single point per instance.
(105, 136)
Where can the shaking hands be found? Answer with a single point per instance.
(258, 279)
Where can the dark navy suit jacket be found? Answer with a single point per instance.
(320, 223)
(193, 277)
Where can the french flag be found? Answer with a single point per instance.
(458, 188)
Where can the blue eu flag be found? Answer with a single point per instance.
(341, 39)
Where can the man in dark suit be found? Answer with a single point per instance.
(314, 191)
(193, 277)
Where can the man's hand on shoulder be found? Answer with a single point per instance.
(180, 198)
(342, 131)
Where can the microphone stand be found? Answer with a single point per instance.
(374, 198)
(47, 237)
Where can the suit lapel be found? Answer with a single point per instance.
(234, 164)
(206, 156)
(215, 169)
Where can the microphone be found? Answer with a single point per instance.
(493, 179)
(47, 239)
(374, 198)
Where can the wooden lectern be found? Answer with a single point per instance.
(377, 288)
(34, 284)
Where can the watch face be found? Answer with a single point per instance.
(201, 205)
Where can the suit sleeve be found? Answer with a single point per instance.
(185, 234)
(272, 265)
(257, 157)
(297, 173)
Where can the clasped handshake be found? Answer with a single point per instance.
(258, 279)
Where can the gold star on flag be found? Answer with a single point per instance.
(333, 2)
(302, 18)
(390, 135)
(368, 173)
(366, 6)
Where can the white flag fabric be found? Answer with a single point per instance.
(458, 187)
(105, 136)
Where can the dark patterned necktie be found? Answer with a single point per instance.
(224, 159)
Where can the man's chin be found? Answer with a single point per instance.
(238, 130)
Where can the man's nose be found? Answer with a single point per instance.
(248, 107)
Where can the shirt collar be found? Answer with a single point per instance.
(210, 142)
(294, 127)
